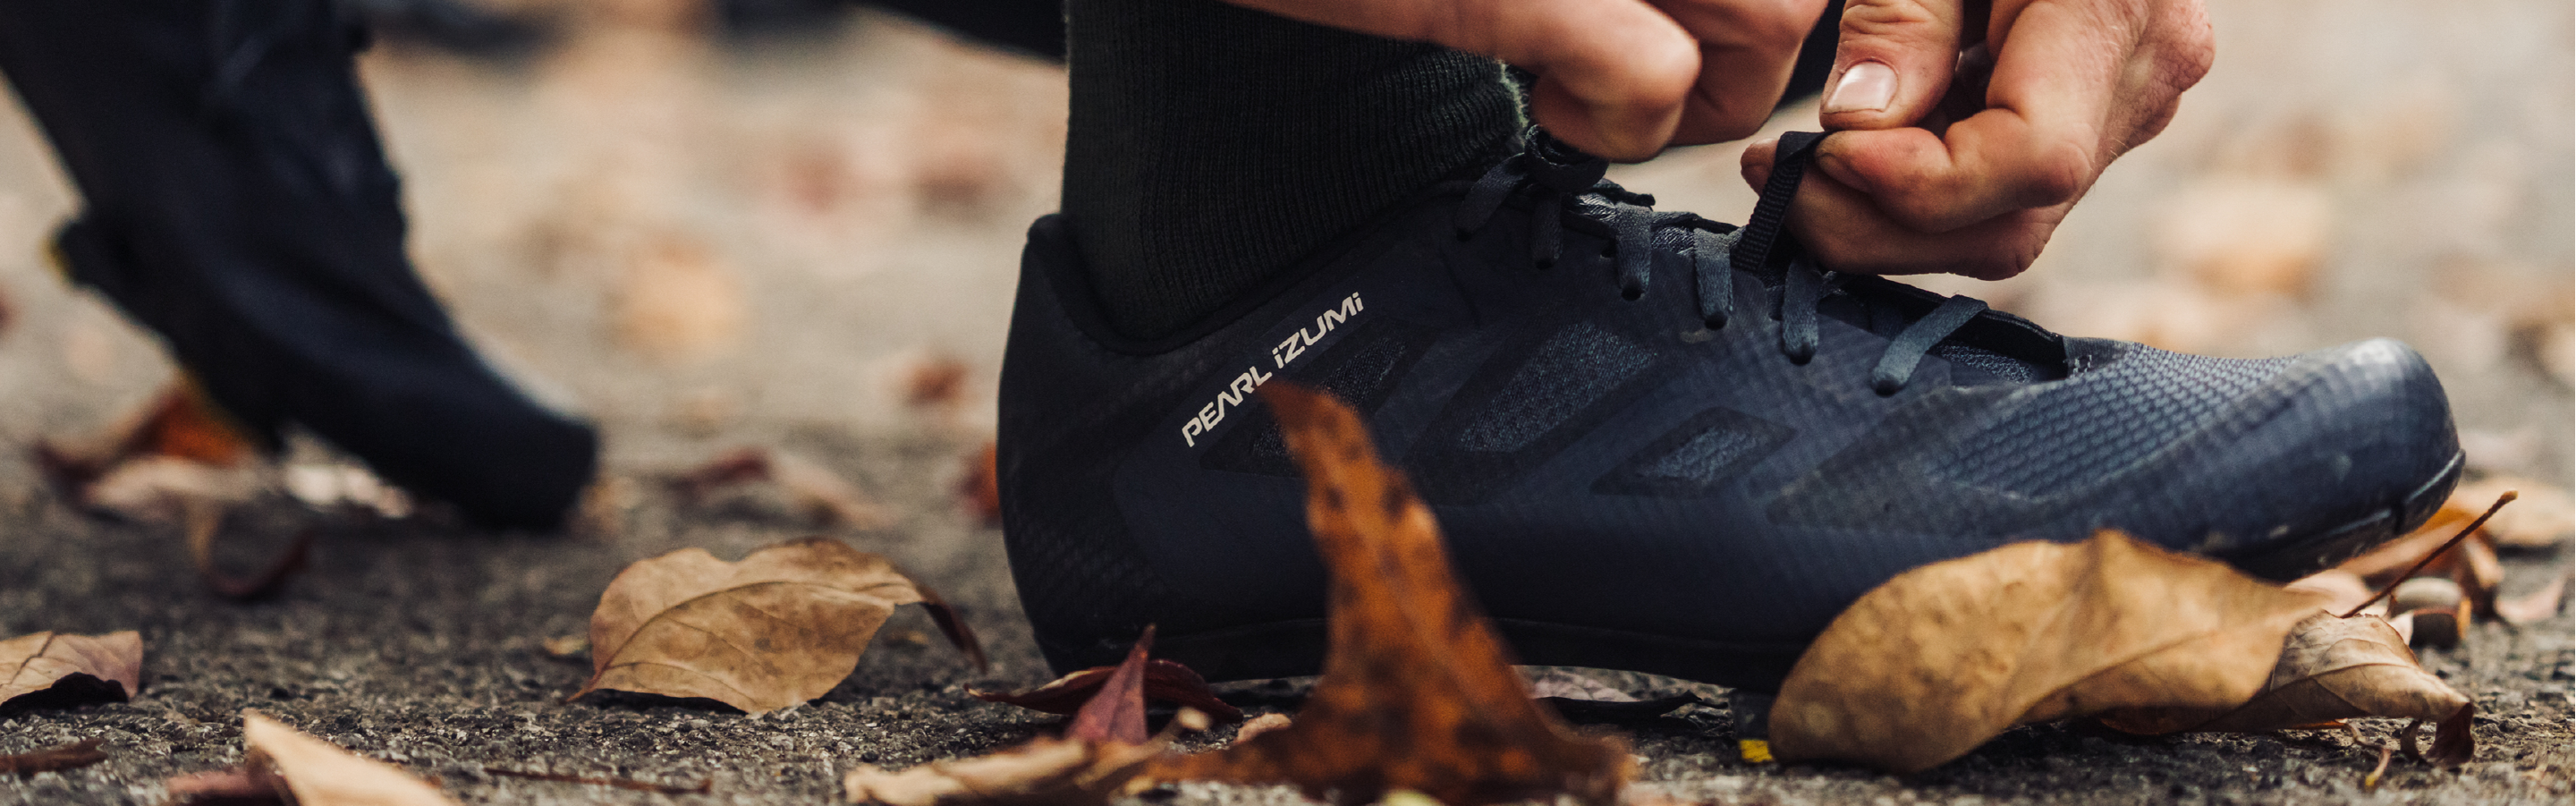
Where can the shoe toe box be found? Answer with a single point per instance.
(2350, 447)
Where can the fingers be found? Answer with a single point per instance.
(1614, 75)
(2040, 140)
(1617, 78)
(1846, 231)
(1893, 63)
(1746, 51)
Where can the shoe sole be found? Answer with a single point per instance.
(1294, 648)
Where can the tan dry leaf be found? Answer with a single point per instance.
(813, 491)
(2329, 669)
(1934, 662)
(320, 774)
(781, 627)
(1258, 725)
(50, 668)
(2343, 590)
(2243, 237)
(1045, 772)
(680, 303)
(1418, 691)
(172, 459)
(2540, 604)
(2543, 516)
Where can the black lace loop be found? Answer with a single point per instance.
(1559, 178)
(1713, 270)
(1896, 366)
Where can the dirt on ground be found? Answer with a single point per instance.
(843, 207)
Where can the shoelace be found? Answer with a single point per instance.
(1561, 184)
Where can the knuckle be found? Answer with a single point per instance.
(2057, 176)
(1886, 19)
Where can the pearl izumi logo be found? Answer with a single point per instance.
(1253, 376)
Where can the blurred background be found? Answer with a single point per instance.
(715, 224)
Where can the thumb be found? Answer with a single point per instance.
(1893, 63)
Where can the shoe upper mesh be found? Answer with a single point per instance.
(2101, 422)
(1567, 374)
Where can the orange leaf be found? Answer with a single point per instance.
(1418, 691)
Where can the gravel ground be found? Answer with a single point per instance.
(2412, 158)
(423, 646)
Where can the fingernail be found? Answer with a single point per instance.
(1866, 87)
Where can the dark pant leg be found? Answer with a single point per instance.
(238, 204)
(1212, 146)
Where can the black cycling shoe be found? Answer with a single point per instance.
(235, 200)
(1655, 442)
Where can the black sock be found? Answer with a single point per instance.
(1212, 146)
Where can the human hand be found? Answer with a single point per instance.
(1948, 160)
(1617, 78)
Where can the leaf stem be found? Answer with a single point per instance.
(2400, 579)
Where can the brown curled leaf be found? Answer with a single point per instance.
(2329, 669)
(204, 523)
(1044, 772)
(781, 627)
(1934, 662)
(811, 490)
(1418, 691)
(2544, 517)
(2540, 604)
(52, 670)
(1102, 752)
(1116, 713)
(56, 759)
(1165, 681)
(982, 486)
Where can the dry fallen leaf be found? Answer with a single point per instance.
(2542, 517)
(934, 382)
(781, 627)
(1044, 772)
(1164, 681)
(205, 522)
(2330, 669)
(347, 487)
(1258, 725)
(49, 669)
(1418, 691)
(2453, 544)
(2241, 236)
(1103, 751)
(812, 490)
(982, 486)
(233, 787)
(679, 302)
(67, 757)
(1941, 658)
(2540, 604)
(179, 422)
(2343, 590)
(316, 773)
